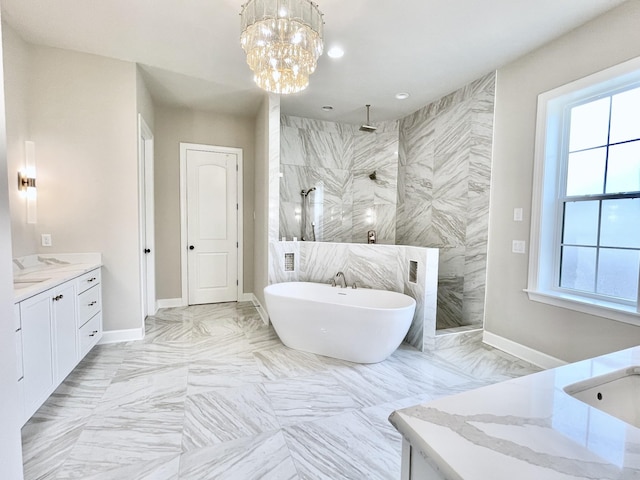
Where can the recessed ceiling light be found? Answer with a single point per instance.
(327, 108)
(335, 52)
(402, 95)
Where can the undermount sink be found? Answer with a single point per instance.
(616, 393)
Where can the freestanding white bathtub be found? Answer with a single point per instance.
(358, 325)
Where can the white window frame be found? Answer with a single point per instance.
(546, 221)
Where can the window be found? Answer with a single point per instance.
(585, 235)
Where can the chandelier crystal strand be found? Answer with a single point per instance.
(282, 40)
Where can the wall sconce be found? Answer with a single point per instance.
(27, 181)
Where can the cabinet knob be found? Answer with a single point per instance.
(147, 250)
(57, 297)
(93, 334)
(92, 279)
(191, 247)
(92, 303)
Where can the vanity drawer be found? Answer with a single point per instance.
(87, 280)
(88, 304)
(89, 334)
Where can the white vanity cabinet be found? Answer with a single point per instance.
(89, 311)
(55, 329)
(415, 466)
(19, 367)
(37, 350)
(65, 351)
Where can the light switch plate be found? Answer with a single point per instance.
(518, 246)
(517, 214)
(46, 240)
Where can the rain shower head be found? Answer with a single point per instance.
(367, 127)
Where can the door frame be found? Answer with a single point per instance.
(183, 213)
(146, 229)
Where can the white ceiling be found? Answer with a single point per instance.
(191, 54)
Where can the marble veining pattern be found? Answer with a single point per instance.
(337, 160)
(446, 152)
(529, 426)
(433, 172)
(217, 396)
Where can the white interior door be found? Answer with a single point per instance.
(147, 228)
(212, 225)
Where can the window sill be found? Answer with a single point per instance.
(599, 308)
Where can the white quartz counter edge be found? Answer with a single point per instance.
(526, 428)
(38, 276)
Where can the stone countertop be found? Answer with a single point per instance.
(526, 428)
(34, 274)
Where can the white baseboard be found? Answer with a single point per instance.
(246, 297)
(528, 354)
(170, 303)
(117, 336)
(261, 310)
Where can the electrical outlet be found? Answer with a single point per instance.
(518, 246)
(46, 240)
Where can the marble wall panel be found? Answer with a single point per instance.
(385, 186)
(335, 222)
(322, 149)
(451, 140)
(375, 266)
(274, 167)
(289, 220)
(450, 296)
(452, 262)
(292, 150)
(385, 224)
(475, 267)
(365, 218)
(293, 179)
(277, 252)
(375, 150)
(330, 152)
(321, 261)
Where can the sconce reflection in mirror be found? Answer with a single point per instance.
(27, 181)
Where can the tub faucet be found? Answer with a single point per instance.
(340, 278)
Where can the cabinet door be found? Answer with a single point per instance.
(18, 329)
(65, 330)
(20, 372)
(37, 350)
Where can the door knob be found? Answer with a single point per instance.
(147, 250)
(191, 247)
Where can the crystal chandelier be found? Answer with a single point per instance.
(282, 40)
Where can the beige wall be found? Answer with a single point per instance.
(16, 63)
(82, 114)
(564, 334)
(10, 442)
(175, 125)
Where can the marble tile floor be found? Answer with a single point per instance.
(211, 393)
